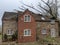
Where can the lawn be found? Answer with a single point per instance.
(11, 43)
(0, 36)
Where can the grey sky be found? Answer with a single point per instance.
(10, 5)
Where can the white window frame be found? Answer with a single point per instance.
(53, 32)
(27, 18)
(43, 31)
(27, 32)
(10, 32)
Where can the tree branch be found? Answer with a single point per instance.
(46, 3)
(50, 10)
(31, 7)
(43, 8)
(21, 8)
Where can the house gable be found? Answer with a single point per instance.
(22, 25)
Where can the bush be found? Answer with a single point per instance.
(13, 37)
(16, 34)
(5, 37)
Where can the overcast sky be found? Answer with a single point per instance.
(10, 5)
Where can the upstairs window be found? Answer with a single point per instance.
(27, 18)
(52, 22)
(27, 32)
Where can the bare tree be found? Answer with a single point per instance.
(52, 8)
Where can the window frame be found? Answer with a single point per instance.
(27, 18)
(52, 22)
(10, 32)
(45, 31)
(27, 32)
(53, 32)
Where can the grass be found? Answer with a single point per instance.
(31, 43)
(0, 36)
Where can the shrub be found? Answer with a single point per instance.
(16, 34)
(13, 37)
(5, 37)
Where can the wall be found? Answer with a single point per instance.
(26, 25)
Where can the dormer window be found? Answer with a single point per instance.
(52, 22)
(27, 18)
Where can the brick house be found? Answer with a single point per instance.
(32, 27)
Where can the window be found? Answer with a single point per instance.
(43, 31)
(38, 24)
(27, 18)
(53, 32)
(27, 32)
(9, 32)
(52, 22)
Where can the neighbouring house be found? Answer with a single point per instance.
(30, 26)
(9, 23)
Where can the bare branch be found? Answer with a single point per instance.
(49, 11)
(31, 7)
(46, 3)
(16, 10)
(44, 8)
(40, 9)
(21, 8)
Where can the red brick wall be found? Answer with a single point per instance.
(26, 25)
